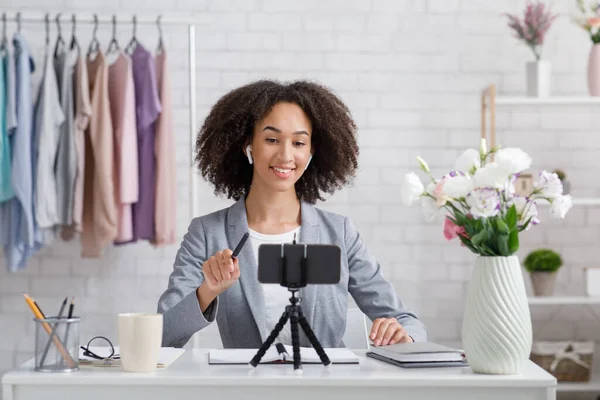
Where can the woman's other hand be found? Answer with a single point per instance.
(388, 331)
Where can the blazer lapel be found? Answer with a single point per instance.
(309, 234)
(237, 225)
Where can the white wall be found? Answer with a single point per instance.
(412, 72)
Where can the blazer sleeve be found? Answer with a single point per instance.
(374, 295)
(179, 304)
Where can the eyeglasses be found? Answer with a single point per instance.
(88, 353)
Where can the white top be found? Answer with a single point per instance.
(192, 369)
(276, 296)
(48, 120)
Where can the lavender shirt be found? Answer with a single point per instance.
(147, 109)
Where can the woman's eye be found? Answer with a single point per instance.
(271, 140)
(300, 143)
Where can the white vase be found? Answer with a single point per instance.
(496, 331)
(538, 78)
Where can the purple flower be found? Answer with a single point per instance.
(533, 27)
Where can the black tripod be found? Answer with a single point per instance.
(294, 313)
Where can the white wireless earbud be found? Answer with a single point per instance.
(308, 162)
(249, 154)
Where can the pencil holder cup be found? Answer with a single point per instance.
(57, 344)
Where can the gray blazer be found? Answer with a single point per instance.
(240, 310)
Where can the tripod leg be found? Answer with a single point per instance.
(312, 338)
(295, 339)
(265, 346)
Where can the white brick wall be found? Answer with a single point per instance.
(411, 72)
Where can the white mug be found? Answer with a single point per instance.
(140, 339)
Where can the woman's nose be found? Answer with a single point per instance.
(286, 153)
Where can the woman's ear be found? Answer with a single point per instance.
(249, 154)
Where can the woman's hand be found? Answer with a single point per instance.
(388, 331)
(220, 271)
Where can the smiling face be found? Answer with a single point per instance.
(281, 148)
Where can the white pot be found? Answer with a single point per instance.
(592, 281)
(496, 331)
(538, 78)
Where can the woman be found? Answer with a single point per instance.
(276, 149)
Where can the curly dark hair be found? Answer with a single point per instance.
(230, 125)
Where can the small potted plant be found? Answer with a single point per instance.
(542, 264)
(563, 179)
(531, 30)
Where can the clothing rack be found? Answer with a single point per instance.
(19, 18)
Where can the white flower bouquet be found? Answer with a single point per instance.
(483, 210)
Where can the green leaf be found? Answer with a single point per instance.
(502, 226)
(468, 244)
(513, 241)
(461, 219)
(522, 228)
(511, 217)
(479, 238)
(490, 243)
(502, 244)
(487, 251)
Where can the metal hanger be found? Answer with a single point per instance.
(94, 44)
(160, 35)
(133, 43)
(4, 38)
(47, 23)
(60, 42)
(113, 45)
(73, 37)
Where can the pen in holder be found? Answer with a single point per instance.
(57, 344)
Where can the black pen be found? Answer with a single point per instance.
(238, 248)
(71, 307)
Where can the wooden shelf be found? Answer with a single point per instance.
(586, 201)
(563, 300)
(577, 201)
(489, 102)
(547, 101)
(592, 386)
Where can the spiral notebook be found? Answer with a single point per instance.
(280, 354)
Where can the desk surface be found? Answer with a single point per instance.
(192, 369)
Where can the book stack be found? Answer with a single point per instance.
(419, 355)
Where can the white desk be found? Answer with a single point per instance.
(190, 377)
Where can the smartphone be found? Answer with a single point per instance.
(323, 263)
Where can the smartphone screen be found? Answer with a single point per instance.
(323, 263)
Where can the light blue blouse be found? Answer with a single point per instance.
(22, 238)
